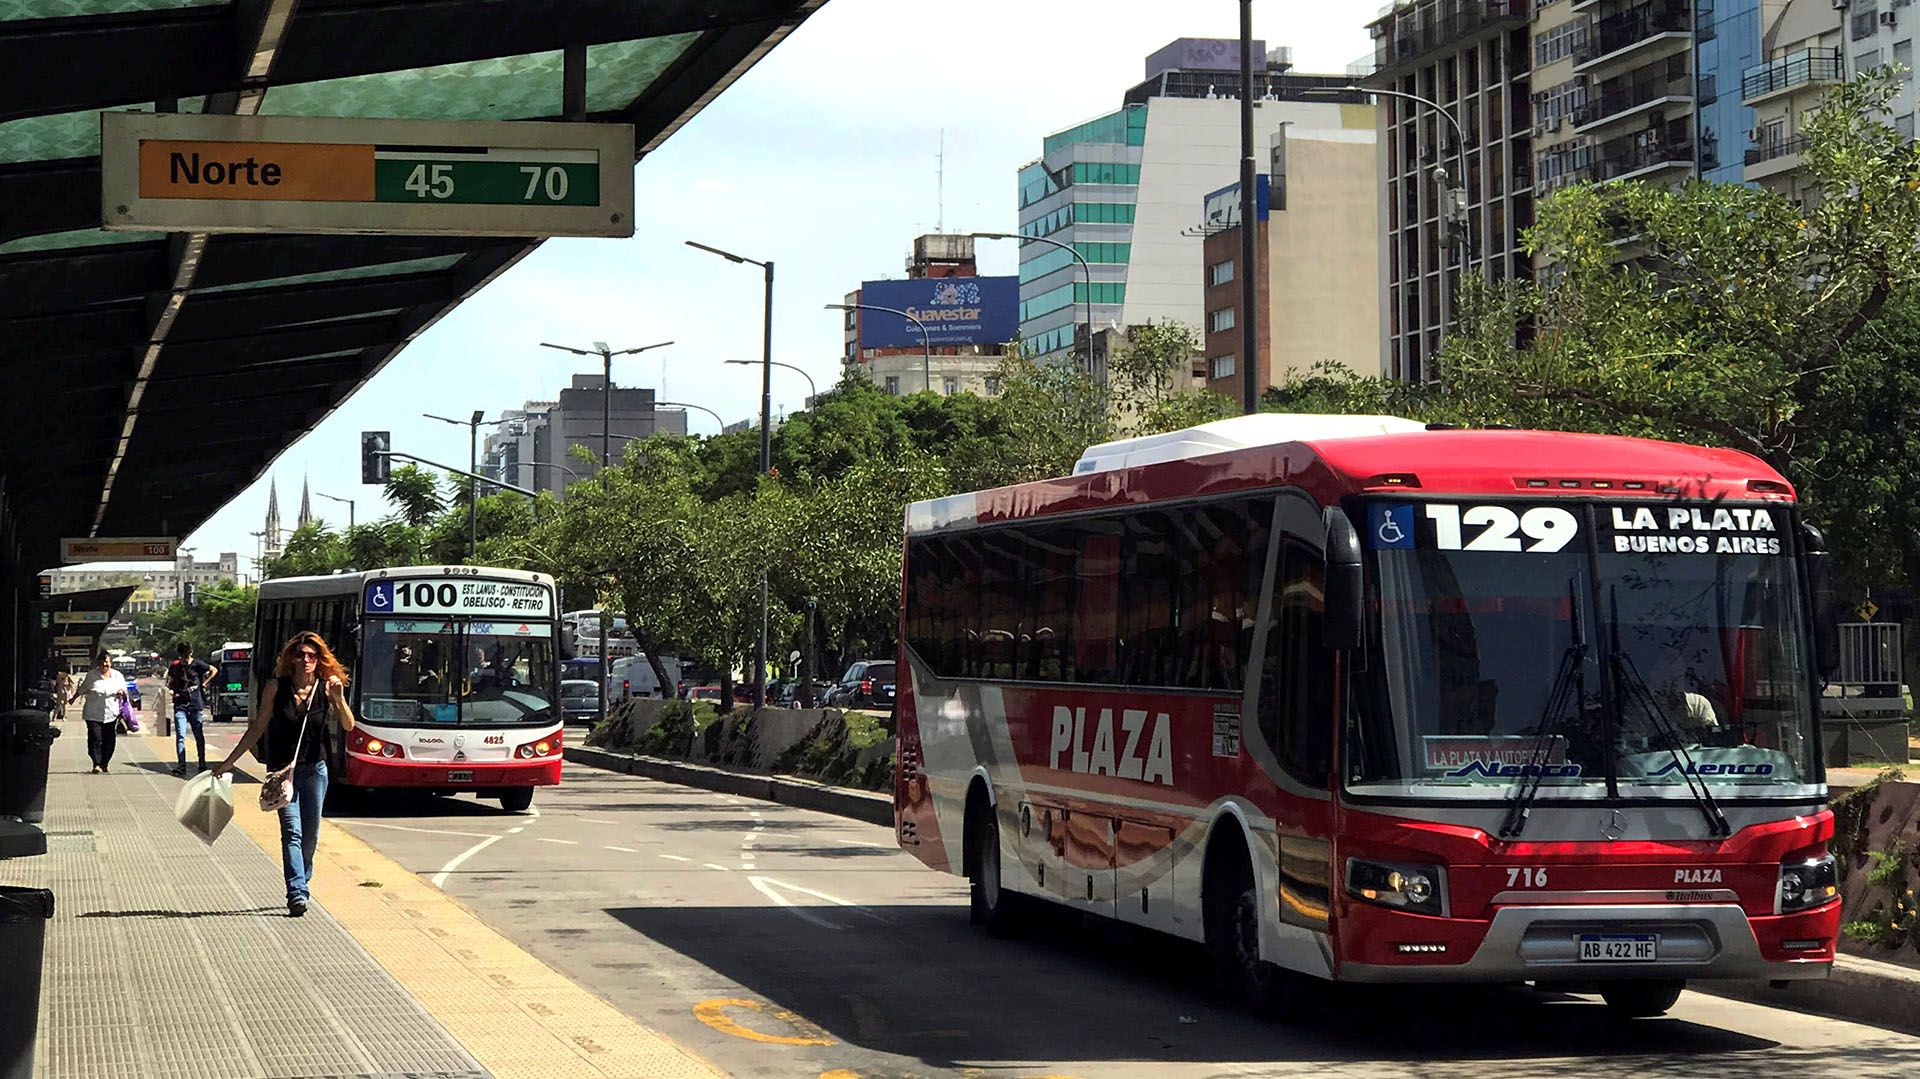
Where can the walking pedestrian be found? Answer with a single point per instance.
(189, 680)
(62, 689)
(104, 688)
(307, 689)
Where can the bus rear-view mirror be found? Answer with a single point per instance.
(1345, 587)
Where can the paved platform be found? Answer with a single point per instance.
(167, 957)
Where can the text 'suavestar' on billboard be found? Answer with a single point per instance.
(955, 310)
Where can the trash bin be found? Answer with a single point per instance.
(23, 936)
(26, 743)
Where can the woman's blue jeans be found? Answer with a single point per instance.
(300, 826)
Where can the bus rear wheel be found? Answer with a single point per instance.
(1641, 999)
(516, 799)
(989, 904)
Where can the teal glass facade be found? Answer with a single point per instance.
(1083, 192)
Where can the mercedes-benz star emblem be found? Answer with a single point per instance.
(1613, 825)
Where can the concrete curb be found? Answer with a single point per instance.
(1861, 990)
(869, 806)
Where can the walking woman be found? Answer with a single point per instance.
(103, 687)
(307, 688)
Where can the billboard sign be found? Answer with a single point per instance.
(955, 311)
(1221, 209)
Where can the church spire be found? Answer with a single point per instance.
(270, 537)
(306, 505)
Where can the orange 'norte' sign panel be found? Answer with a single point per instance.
(274, 171)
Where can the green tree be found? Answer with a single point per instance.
(224, 613)
(416, 492)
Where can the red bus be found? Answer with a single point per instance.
(456, 678)
(1350, 699)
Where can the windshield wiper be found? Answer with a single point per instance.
(1630, 678)
(1570, 677)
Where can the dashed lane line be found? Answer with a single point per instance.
(721, 868)
(623, 850)
(675, 858)
(563, 842)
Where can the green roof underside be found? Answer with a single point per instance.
(271, 332)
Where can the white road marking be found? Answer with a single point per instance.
(675, 858)
(512, 831)
(800, 912)
(746, 865)
(426, 831)
(533, 811)
(568, 842)
(762, 884)
(440, 878)
(596, 820)
(864, 843)
(624, 850)
(721, 868)
(748, 841)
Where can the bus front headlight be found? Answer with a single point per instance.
(1405, 885)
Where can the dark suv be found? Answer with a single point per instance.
(867, 684)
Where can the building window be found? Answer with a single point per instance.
(1863, 21)
(949, 385)
(1220, 367)
(893, 385)
(1220, 321)
(1904, 124)
(1903, 55)
(1867, 61)
(993, 386)
(1220, 273)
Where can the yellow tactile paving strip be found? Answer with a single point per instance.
(518, 1017)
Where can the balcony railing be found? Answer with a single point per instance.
(1616, 32)
(1409, 38)
(1616, 100)
(1643, 157)
(1805, 66)
(1781, 148)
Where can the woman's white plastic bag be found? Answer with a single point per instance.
(205, 805)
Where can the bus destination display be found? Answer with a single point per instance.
(515, 599)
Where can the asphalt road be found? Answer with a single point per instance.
(778, 942)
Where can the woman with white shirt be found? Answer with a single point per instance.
(104, 688)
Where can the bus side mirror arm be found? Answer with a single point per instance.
(1826, 633)
(1345, 588)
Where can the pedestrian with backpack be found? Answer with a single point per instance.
(189, 680)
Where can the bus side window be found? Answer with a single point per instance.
(1295, 685)
(1096, 649)
(1051, 551)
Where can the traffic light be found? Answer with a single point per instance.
(190, 594)
(374, 463)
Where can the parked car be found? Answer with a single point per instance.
(867, 684)
(579, 700)
(710, 694)
(133, 694)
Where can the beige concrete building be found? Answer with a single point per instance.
(1317, 288)
(1802, 40)
(1613, 92)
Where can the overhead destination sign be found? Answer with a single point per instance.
(120, 549)
(189, 171)
(80, 618)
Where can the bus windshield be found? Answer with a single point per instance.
(233, 675)
(1659, 644)
(458, 671)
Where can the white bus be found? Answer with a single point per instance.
(455, 675)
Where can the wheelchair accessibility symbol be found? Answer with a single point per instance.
(380, 596)
(1390, 528)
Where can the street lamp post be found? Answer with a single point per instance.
(926, 341)
(1454, 213)
(1249, 264)
(605, 354)
(473, 465)
(1086, 269)
(701, 408)
(337, 498)
(766, 447)
(811, 388)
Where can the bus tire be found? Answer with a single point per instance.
(1230, 907)
(989, 904)
(1641, 999)
(516, 799)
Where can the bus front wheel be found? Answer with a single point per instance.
(990, 904)
(1231, 912)
(516, 799)
(1641, 999)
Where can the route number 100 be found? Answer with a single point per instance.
(426, 594)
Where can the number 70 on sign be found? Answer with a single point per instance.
(480, 179)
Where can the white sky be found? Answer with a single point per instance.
(822, 159)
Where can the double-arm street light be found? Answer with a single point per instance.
(811, 388)
(696, 408)
(606, 355)
(1086, 270)
(766, 446)
(1453, 214)
(337, 498)
(926, 342)
(473, 465)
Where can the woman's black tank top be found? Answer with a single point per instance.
(283, 727)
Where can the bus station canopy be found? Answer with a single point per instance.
(151, 377)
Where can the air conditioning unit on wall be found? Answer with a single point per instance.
(1888, 18)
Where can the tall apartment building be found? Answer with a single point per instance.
(1805, 57)
(532, 449)
(1614, 99)
(1122, 189)
(1881, 32)
(1475, 60)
